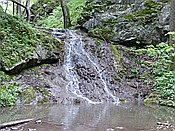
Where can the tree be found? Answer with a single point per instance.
(172, 19)
(18, 9)
(172, 28)
(26, 7)
(66, 15)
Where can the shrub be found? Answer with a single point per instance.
(157, 60)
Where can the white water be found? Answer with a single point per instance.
(74, 48)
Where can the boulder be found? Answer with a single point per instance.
(128, 23)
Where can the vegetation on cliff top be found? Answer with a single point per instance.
(18, 41)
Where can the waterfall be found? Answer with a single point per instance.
(76, 54)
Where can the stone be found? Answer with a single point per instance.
(137, 23)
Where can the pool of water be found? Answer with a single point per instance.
(90, 117)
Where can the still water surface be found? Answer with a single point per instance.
(89, 117)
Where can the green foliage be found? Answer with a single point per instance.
(102, 32)
(158, 59)
(8, 90)
(149, 11)
(18, 40)
(75, 9)
(134, 72)
(4, 77)
(141, 13)
(9, 93)
(118, 64)
(44, 7)
(150, 4)
(55, 20)
(1, 10)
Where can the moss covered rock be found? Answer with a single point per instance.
(23, 46)
(130, 24)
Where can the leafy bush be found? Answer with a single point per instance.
(18, 40)
(157, 61)
(4, 77)
(8, 94)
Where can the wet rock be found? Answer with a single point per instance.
(49, 83)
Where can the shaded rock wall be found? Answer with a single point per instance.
(48, 83)
(135, 24)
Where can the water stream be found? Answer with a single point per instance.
(76, 54)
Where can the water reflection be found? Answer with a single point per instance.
(101, 117)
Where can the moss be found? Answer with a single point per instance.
(151, 10)
(129, 16)
(4, 77)
(27, 95)
(96, 7)
(109, 21)
(50, 44)
(99, 53)
(98, 43)
(117, 57)
(115, 51)
(22, 41)
(44, 7)
(102, 32)
(141, 14)
(151, 4)
(170, 103)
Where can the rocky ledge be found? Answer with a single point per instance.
(132, 23)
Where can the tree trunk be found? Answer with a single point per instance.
(66, 15)
(172, 29)
(28, 10)
(13, 8)
(172, 19)
(18, 9)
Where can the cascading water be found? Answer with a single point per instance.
(75, 54)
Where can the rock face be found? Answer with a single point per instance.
(22, 46)
(50, 83)
(131, 23)
(47, 50)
